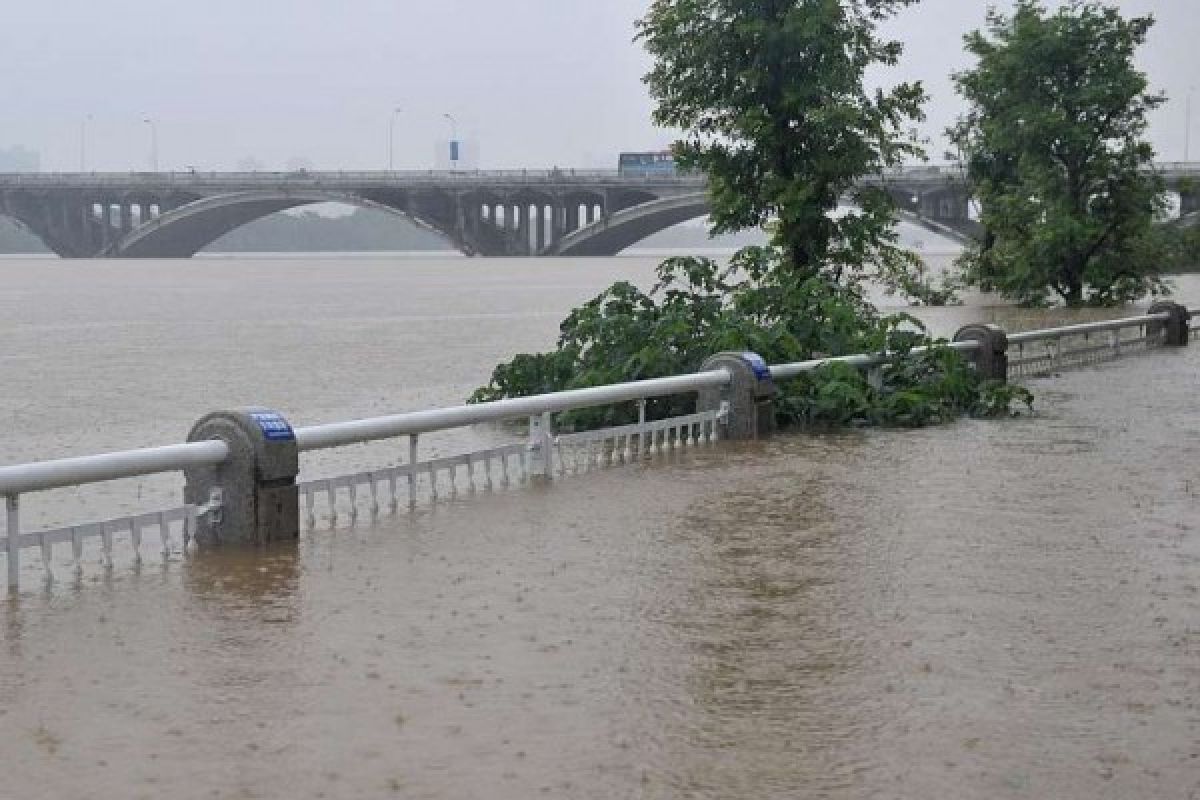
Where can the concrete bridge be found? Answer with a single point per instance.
(488, 213)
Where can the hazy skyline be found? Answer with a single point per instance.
(535, 82)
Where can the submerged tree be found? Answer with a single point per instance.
(771, 100)
(1054, 150)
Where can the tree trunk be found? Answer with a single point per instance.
(1074, 294)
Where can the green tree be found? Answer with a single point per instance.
(770, 97)
(1055, 153)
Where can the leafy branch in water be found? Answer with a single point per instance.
(699, 307)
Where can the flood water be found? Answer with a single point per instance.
(988, 609)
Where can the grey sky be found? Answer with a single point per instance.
(536, 82)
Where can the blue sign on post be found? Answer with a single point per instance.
(274, 427)
(761, 371)
(454, 144)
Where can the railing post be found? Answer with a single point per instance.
(541, 446)
(991, 357)
(1177, 328)
(260, 500)
(412, 470)
(750, 394)
(13, 531)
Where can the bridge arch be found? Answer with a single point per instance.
(184, 231)
(44, 237)
(615, 232)
(58, 229)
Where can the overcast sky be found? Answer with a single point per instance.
(535, 82)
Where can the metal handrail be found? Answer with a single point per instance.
(1087, 327)
(44, 475)
(860, 360)
(338, 434)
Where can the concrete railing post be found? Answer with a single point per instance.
(750, 395)
(991, 357)
(1177, 328)
(260, 501)
(540, 446)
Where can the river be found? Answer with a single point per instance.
(987, 609)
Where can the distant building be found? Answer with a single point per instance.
(19, 159)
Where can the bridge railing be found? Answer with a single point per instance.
(365, 178)
(241, 469)
(922, 175)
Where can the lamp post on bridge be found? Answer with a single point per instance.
(83, 123)
(1187, 125)
(392, 138)
(153, 143)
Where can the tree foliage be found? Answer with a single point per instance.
(771, 100)
(699, 307)
(1054, 150)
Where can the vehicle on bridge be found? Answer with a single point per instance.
(656, 163)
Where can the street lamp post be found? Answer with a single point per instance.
(153, 143)
(392, 139)
(1187, 126)
(83, 142)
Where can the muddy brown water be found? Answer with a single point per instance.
(979, 610)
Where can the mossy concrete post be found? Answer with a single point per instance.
(259, 499)
(1177, 329)
(991, 357)
(749, 395)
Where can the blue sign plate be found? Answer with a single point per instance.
(761, 371)
(274, 427)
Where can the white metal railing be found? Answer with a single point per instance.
(44, 475)
(865, 361)
(339, 434)
(499, 464)
(509, 464)
(617, 445)
(182, 519)
(1086, 328)
(22, 479)
(543, 443)
(1038, 352)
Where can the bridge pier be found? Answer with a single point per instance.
(948, 206)
(1189, 201)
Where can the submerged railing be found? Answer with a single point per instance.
(1040, 352)
(241, 466)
